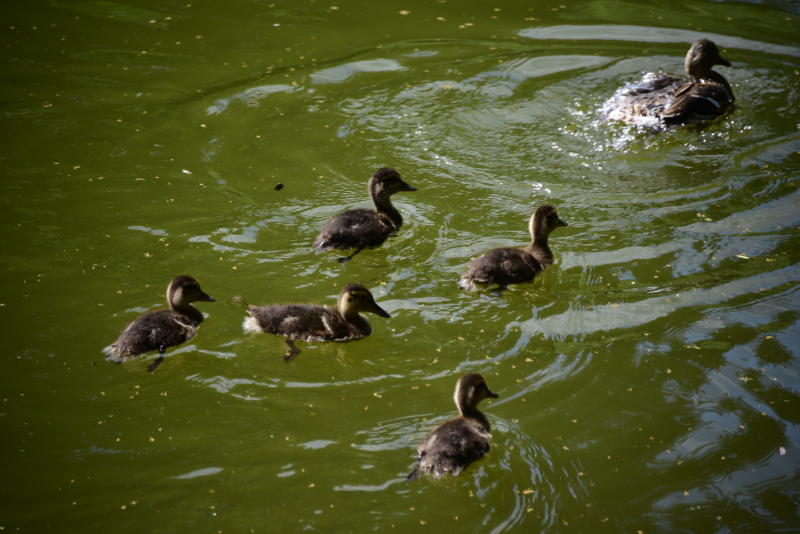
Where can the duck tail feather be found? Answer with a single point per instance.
(241, 301)
(414, 474)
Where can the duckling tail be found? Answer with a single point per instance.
(413, 475)
(113, 353)
(241, 301)
(467, 284)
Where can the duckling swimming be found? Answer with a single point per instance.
(159, 329)
(672, 100)
(505, 266)
(456, 443)
(309, 322)
(360, 228)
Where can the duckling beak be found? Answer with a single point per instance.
(406, 187)
(377, 310)
(491, 394)
(722, 61)
(562, 222)
(206, 297)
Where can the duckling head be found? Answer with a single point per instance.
(184, 290)
(356, 298)
(470, 390)
(701, 58)
(386, 182)
(544, 221)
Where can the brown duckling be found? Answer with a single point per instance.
(456, 443)
(159, 329)
(673, 100)
(360, 228)
(510, 265)
(309, 322)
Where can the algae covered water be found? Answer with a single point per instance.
(648, 380)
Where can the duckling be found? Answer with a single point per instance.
(309, 322)
(505, 266)
(456, 443)
(360, 228)
(159, 329)
(673, 100)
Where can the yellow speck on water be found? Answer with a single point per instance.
(404, 12)
(527, 491)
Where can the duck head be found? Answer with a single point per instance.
(356, 298)
(386, 182)
(544, 221)
(470, 390)
(701, 58)
(184, 290)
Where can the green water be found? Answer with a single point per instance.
(648, 381)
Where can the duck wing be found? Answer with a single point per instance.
(503, 266)
(641, 102)
(696, 101)
(152, 331)
(452, 446)
(356, 228)
(301, 321)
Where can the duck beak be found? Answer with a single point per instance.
(562, 222)
(722, 61)
(377, 310)
(206, 297)
(491, 394)
(406, 187)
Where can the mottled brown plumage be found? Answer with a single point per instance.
(310, 322)
(673, 100)
(503, 266)
(160, 329)
(364, 228)
(456, 443)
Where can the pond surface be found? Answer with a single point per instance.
(648, 381)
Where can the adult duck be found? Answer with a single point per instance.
(664, 99)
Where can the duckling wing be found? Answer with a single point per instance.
(300, 321)
(452, 446)
(151, 331)
(356, 228)
(695, 102)
(502, 266)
